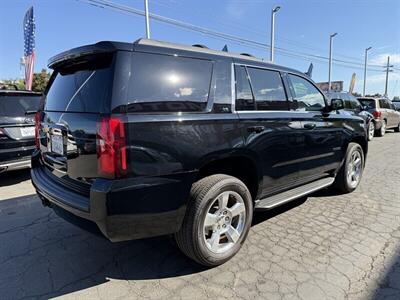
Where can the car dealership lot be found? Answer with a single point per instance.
(329, 246)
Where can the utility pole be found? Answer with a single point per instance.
(330, 59)
(273, 12)
(388, 66)
(365, 69)
(146, 9)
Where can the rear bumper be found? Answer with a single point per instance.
(23, 163)
(122, 209)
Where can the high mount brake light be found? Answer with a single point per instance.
(111, 148)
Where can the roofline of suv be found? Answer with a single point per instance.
(110, 46)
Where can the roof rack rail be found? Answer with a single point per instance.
(247, 54)
(200, 46)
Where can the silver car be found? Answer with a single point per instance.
(385, 114)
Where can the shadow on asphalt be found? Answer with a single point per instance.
(389, 286)
(68, 259)
(14, 177)
(64, 259)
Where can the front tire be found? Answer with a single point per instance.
(217, 220)
(350, 173)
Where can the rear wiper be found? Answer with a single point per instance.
(30, 112)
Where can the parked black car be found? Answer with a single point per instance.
(385, 114)
(354, 107)
(152, 138)
(17, 128)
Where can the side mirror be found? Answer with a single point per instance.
(337, 104)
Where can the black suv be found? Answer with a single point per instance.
(354, 107)
(152, 138)
(17, 128)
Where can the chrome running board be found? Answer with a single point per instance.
(282, 198)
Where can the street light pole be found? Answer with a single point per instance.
(273, 12)
(365, 69)
(146, 9)
(330, 59)
(388, 66)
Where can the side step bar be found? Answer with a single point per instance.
(282, 198)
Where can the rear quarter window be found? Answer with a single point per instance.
(163, 83)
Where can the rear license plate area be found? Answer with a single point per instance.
(57, 144)
(27, 131)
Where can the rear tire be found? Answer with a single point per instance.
(217, 220)
(381, 132)
(350, 173)
(371, 130)
(397, 129)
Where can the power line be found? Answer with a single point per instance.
(261, 33)
(105, 4)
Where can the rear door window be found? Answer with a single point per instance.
(163, 83)
(383, 103)
(268, 89)
(17, 105)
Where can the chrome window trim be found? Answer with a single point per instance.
(233, 89)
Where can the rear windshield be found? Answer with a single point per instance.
(369, 103)
(18, 105)
(163, 83)
(81, 87)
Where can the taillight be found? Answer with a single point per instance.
(377, 114)
(37, 120)
(111, 148)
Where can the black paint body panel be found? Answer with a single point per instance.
(166, 151)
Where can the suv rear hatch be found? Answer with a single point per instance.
(16, 123)
(77, 99)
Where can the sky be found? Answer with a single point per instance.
(302, 26)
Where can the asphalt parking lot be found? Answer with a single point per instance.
(325, 247)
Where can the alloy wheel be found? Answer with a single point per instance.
(224, 222)
(371, 131)
(354, 169)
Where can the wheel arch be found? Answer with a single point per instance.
(241, 166)
(363, 142)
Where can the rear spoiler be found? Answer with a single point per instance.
(75, 53)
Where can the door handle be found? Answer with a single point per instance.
(256, 129)
(310, 125)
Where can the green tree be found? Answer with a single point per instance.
(40, 80)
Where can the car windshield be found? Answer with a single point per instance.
(369, 103)
(18, 105)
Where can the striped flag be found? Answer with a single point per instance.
(29, 47)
